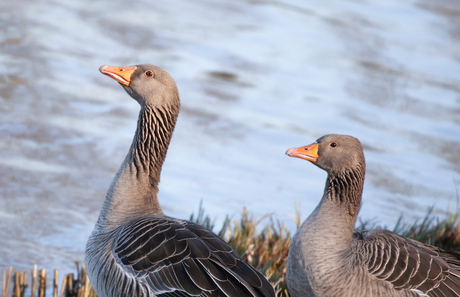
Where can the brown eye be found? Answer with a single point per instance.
(333, 144)
(149, 73)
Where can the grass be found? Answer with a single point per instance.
(441, 233)
(72, 285)
(265, 247)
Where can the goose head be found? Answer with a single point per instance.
(333, 153)
(148, 84)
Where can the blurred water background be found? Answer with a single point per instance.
(256, 77)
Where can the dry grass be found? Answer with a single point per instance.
(72, 285)
(266, 249)
(263, 246)
(441, 233)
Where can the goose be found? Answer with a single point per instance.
(135, 249)
(328, 258)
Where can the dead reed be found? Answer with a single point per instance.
(72, 285)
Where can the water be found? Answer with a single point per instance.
(255, 77)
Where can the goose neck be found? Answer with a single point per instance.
(134, 189)
(150, 144)
(345, 190)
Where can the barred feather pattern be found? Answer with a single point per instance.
(346, 188)
(407, 264)
(135, 186)
(154, 131)
(162, 256)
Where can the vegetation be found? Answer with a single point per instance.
(265, 247)
(72, 286)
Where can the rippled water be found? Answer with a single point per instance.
(255, 77)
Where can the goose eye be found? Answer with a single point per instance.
(149, 73)
(333, 144)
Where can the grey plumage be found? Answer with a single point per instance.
(135, 250)
(328, 258)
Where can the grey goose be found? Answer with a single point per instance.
(328, 258)
(135, 249)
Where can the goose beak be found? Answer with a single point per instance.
(309, 152)
(120, 74)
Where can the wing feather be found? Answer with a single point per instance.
(196, 274)
(180, 258)
(408, 264)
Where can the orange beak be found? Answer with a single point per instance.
(120, 74)
(309, 152)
